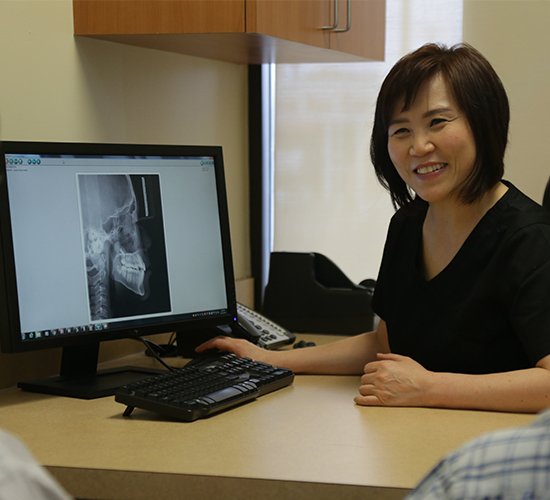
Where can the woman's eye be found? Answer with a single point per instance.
(437, 121)
(399, 131)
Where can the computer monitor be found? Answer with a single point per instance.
(109, 241)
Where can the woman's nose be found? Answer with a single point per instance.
(421, 145)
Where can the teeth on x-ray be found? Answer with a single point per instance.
(129, 270)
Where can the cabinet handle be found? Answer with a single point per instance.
(348, 19)
(334, 25)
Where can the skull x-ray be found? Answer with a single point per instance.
(124, 245)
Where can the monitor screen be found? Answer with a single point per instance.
(109, 241)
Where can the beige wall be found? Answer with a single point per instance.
(514, 36)
(56, 88)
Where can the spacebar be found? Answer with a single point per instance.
(229, 393)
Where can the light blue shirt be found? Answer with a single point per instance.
(509, 464)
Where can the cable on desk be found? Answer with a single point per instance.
(154, 349)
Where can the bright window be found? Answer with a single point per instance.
(326, 197)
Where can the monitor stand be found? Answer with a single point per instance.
(79, 377)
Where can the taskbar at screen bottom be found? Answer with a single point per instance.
(122, 325)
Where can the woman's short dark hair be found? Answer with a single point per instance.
(477, 91)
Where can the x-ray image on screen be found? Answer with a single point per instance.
(124, 245)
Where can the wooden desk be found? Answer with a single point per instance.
(306, 441)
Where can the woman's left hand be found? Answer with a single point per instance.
(393, 380)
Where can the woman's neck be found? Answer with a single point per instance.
(458, 217)
(448, 225)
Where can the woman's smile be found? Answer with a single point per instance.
(429, 168)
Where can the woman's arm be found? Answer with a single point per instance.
(343, 357)
(395, 380)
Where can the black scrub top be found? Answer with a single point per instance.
(488, 311)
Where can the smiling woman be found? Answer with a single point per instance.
(423, 144)
(435, 93)
(465, 276)
(433, 122)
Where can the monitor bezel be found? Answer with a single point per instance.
(10, 338)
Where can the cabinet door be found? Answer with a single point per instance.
(124, 17)
(365, 35)
(295, 20)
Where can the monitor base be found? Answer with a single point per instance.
(101, 384)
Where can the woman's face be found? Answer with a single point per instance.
(431, 144)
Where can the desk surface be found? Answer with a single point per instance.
(308, 440)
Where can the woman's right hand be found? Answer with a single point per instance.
(240, 347)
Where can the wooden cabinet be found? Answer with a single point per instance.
(140, 17)
(298, 21)
(242, 31)
(349, 26)
(366, 34)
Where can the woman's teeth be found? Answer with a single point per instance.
(428, 169)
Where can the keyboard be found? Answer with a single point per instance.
(203, 388)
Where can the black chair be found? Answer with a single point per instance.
(546, 197)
